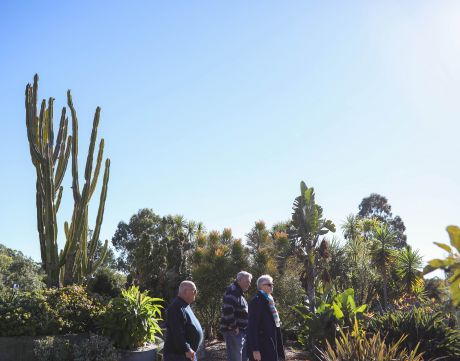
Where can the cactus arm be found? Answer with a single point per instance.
(58, 199)
(49, 123)
(98, 168)
(89, 159)
(100, 212)
(63, 161)
(101, 258)
(75, 185)
(62, 134)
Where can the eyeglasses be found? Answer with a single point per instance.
(268, 284)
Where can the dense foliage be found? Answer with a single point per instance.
(49, 312)
(19, 271)
(59, 348)
(132, 319)
(355, 345)
(424, 327)
(156, 251)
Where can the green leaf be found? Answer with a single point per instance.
(337, 311)
(455, 291)
(444, 246)
(454, 234)
(437, 263)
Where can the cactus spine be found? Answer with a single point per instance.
(77, 260)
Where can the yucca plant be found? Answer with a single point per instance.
(132, 319)
(356, 346)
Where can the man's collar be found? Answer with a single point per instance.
(238, 287)
(181, 300)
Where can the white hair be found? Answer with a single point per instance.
(262, 279)
(186, 285)
(243, 274)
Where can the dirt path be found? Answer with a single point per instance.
(215, 351)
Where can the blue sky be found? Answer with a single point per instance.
(216, 110)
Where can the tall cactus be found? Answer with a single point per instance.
(50, 160)
(80, 254)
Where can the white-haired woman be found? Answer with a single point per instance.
(264, 341)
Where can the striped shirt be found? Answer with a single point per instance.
(234, 309)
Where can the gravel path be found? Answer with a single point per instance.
(215, 351)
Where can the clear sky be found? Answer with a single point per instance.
(216, 110)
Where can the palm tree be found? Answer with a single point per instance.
(383, 255)
(408, 268)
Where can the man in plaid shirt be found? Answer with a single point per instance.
(234, 318)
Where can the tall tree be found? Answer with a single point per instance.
(361, 274)
(156, 251)
(408, 267)
(262, 251)
(17, 269)
(216, 261)
(307, 229)
(383, 255)
(377, 207)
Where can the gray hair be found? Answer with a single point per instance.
(243, 274)
(263, 279)
(186, 285)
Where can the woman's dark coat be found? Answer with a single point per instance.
(262, 333)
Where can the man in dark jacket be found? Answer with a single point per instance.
(234, 318)
(183, 333)
(264, 335)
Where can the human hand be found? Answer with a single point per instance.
(256, 355)
(236, 331)
(190, 355)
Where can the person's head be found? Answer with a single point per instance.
(265, 283)
(187, 291)
(244, 279)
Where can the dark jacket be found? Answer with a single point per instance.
(262, 333)
(234, 309)
(183, 330)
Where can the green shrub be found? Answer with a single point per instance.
(96, 348)
(322, 325)
(354, 345)
(76, 310)
(420, 326)
(52, 349)
(132, 319)
(26, 314)
(107, 283)
(49, 312)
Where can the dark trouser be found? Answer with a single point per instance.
(236, 345)
(175, 357)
